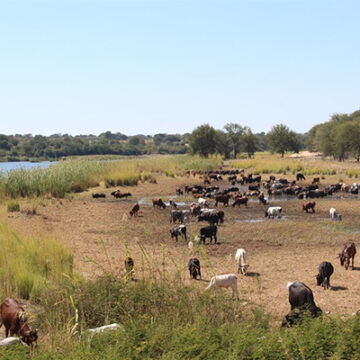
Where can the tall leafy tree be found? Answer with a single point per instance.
(223, 145)
(250, 142)
(281, 139)
(235, 133)
(202, 140)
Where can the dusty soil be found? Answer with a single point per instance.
(279, 250)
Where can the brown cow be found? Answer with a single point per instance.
(309, 206)
(158, 203)
(135, 209)
(222, 199)
(348, 252)
(262, 199)
(316, 180)
(14, 319)
(240, 200)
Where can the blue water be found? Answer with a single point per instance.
(7, 166)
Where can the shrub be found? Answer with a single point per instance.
(13, 206)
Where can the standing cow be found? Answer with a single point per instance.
(325, 271)
(348, 252)
(240, 258)
(194, 268)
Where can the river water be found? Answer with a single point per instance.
(7, 166)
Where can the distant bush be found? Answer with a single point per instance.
(13, 206)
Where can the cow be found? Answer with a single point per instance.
(202, 202)
(272, 178)
(195, 209)
(207, 182)
(334, 215)
(158, 203)
(212, 217)
(222, 199)
(240, 200)
(179, 192)
(309, 206)
(194, 268)
(179, 230)
(301, 298)
(300, 177)
(208, 232)
(325, 271)
(225, 280)
(262, 199)
(273, 211)
(176, 215)
(240, 258)
(173, 204)
(135, 209)
(316, 180)
(348, 252)
(14, 318)
(118, 194)
(98, 195)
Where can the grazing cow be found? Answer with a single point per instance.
(300, 297)
(129, 266)
(273, 211)
(158, 203)
(240, 200)
(98, 195)
(207, 182)
(316, 180)
(173, 204)
(202, 202)
(14, 318)
(222, 199)
(208, 232)
(135, 209)
(194, 268)
(272, 178)
(195, 209)
(348, 252)
(118, 194)
(300, 177)
(334, 215)
(179, 192)
(212, 217)
(225, 280)
(179, 230)
(176, 215)
(309, 206)
(325, 271)
(240, 258)
(262, 199)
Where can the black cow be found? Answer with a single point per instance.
(325, 271)
(179, 230)
(208, 232)
(194, 268)
(98, 195)
(301, 298)
(300, 176)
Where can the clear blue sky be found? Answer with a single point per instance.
(82, 67)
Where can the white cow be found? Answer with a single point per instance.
(11, 341)
(240, 258)
(202, 202)
(225, 280)
(334, 215)
(273, 211)
(99, 330)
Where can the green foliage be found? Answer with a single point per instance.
(281, 139)
(203, 140)
(13, 206)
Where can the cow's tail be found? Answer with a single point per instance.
(212, 282)
(289, 284)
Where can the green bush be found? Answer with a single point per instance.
(13, 206)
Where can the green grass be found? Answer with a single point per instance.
(13, 206)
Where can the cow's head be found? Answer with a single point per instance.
(266, 214)
(30, 336)
(319, 279)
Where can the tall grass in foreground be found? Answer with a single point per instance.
(29, 265)
(79, 175)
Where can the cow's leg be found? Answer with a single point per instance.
(215, 238)
(6, 331)
(352, 268)
(235, 290)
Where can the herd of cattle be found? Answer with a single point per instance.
(301, 298)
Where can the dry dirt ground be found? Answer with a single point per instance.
(279, 250)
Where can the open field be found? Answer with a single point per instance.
(99, 233)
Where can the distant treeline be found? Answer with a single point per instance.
(339, 137)
(204, 140)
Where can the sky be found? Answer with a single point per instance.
(147, 67)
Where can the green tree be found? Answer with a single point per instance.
(203, 140)
(235, 133)
(223, 145)
(250, 142)
(281, 139)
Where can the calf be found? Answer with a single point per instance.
(348, 252)
(98, 195)
(273, 211)
(208, 232)
(240, 258)
(225, 280)
(158, 203)
(240, 200)
(194, 268)
(300, 297)
(135, 209)
(325, 271)
(309, 206)
(14, 318)
(179, 230)
(334, 215)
